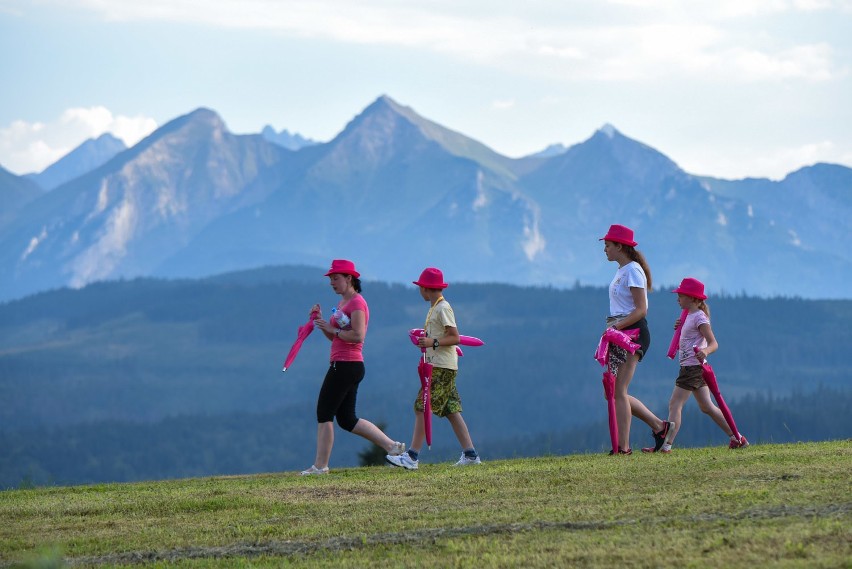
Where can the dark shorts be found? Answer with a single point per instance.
(690, 378)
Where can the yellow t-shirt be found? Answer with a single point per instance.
(440, 316)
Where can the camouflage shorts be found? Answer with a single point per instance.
(445, 396)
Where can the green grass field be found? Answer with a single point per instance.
(766, 505)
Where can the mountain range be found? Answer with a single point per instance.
(88, 156)
(396, 192)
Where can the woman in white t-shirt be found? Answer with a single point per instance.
(697, 341)
(628, 306)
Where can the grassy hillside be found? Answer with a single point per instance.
(767, 505)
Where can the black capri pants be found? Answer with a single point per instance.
(339, 393)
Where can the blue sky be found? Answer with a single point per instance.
(727, 88)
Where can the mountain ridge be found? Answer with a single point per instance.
(396, 191)
(89, 155)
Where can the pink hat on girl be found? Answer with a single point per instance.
(691, 287)
(343, 267)
(431, 278)
(619, 234)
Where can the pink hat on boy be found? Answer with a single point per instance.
(619, 234)
(343, 267)
(691, 287)
(431, 278)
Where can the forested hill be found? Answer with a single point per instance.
(155, 378)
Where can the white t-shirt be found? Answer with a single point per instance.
(620, 297)
(691, 336)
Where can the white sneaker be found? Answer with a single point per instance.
(403, 460)
(314, 470)
(466, 461)
(397, 449)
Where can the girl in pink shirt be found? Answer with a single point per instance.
(697, 341)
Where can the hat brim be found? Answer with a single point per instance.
(690, 293)
(618, 240)
(355, 274)
(430, 285)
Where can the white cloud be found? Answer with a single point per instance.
(811, 62)
(32, 146)
(775, 163)
(731, 9)
(503, 105)
(615, 40)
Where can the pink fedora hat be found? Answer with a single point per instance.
(343, 267)
(619, 234)
(431, 278)
(691, 287)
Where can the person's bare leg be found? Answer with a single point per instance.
(623, 412)
(366, 429)
(676, 403)
(419, 435)
(325, 441)
(702, 395)
(460, 429)
(638, 409)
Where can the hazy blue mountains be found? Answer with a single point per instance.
(397, 192)
(86, 157)
(290, 141)
(15, 193)
(736, 240)
(129, 215)
(392, 191)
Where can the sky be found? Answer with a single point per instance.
(725, 88)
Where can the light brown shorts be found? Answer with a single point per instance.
(690, 378)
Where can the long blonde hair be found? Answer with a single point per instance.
(703, 306)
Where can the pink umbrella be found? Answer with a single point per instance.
(303, 332)
(416, 333)
(710, 379)
(623, 339)
(609, 391)
(424, 370)
(673, 347)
